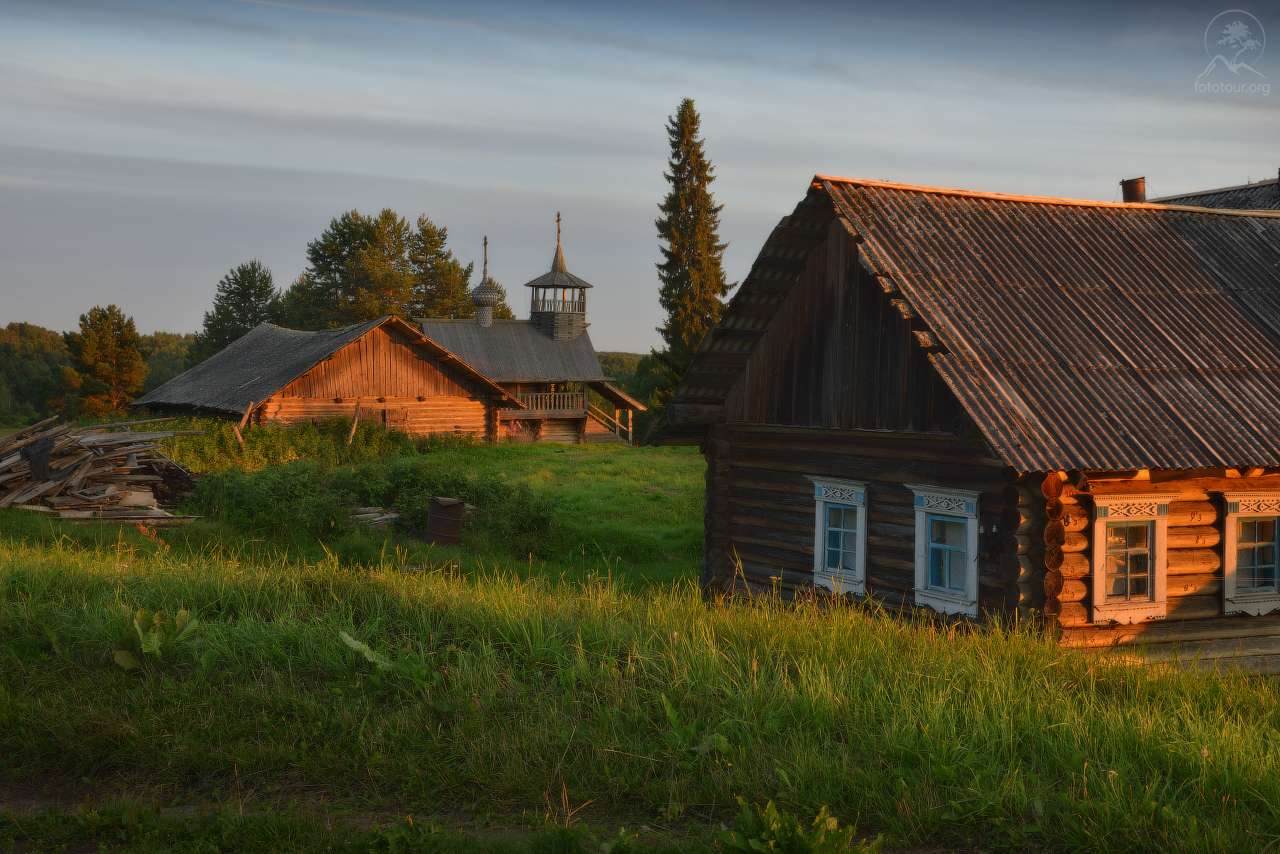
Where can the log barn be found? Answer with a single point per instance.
(384, 370)
(546, 362)
(987, 404)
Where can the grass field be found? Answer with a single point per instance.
(495, 696)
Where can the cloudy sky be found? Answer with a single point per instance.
(146, 147)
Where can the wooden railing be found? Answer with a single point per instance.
(578, 306)
(554, 400)
(613, 422)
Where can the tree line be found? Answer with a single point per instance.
(360, 268)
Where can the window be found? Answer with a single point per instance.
(1128, 567)
(946, 549)
(840, 535)
(1129, 561)
(948, 546)
(1249, 553)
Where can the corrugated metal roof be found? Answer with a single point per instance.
(1075, 334)
(1262, 196)
(268, 358)
(514, 351)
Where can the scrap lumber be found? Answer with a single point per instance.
(105, 472)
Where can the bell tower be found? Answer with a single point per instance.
(558, 299)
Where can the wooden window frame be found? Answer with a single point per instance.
(1245, 505)
(958, 504)
(1136, 508)
(847, 493)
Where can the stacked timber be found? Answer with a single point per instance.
(102, 472)
(1194, 580)
(1041, 523)
(1067, 566)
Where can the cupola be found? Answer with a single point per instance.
(558, 302)
(485, 296)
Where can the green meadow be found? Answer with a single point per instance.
(555, 683)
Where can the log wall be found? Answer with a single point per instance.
(395, 383)
(759, 516)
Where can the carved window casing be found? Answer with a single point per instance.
(1249, 560)
(1130, 557)
(840, 535)
(946, 554)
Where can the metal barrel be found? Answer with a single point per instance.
(445, 520)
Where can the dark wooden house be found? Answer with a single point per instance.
(546, 362)
(384, 370)
(978, 403)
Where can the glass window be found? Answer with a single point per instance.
(842, 537)
(948, 547)
(1128, 564)
(1256, 555)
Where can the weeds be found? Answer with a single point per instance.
(153, 635)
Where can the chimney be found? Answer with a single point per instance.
(1134, 190)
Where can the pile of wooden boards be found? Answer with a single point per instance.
(97, 472)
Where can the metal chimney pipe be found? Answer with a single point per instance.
(1134, 190)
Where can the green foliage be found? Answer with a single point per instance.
(691, 273)
(304, 498)
(773, 831)
(245, 298)
(365, 267)
(639, 377)
(30, 358)
(153, 635)
(108, 366)
(168, 356)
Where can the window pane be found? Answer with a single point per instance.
(1138, 587)
(1266, 577)
(956, 561)
(948, 532)
(1245, 578)
(1138, 537)
(937, 567)
(1116, 588)
(1139, 564)
(1267, 531)
(1248, 533)
(1266, 556)
(1116, 540)
(1244, 558)
(833, 559)
(849, 561)
(833, 517)
(833, 539)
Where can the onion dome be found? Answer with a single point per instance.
(485, 295)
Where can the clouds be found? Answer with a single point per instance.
(237, 129)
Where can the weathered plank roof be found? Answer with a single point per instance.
(1075, 334)
(514, 351)
(1262, 196)
(268, 358)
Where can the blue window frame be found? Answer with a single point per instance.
(1128, 564)
(1256, 555)
(842, 538)
(948, 552)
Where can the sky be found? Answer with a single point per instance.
(147, 148)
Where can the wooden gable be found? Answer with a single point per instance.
(382, 363)
(839, 352)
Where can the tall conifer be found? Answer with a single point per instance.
(246, 297)
(691, 274)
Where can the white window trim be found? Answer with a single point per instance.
(1131, 507)
(850, 493)
(1244, 505)
(940, 501)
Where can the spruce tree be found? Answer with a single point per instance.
(246, 297)
(108, 365)
(691, 274)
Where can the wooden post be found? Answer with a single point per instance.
(354, 422)
(630, 438)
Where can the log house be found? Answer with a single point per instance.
(985, 404)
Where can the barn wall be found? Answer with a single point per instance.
(760, 507)
(408, 414)
(838, 353)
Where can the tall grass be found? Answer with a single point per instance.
(501, 689)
